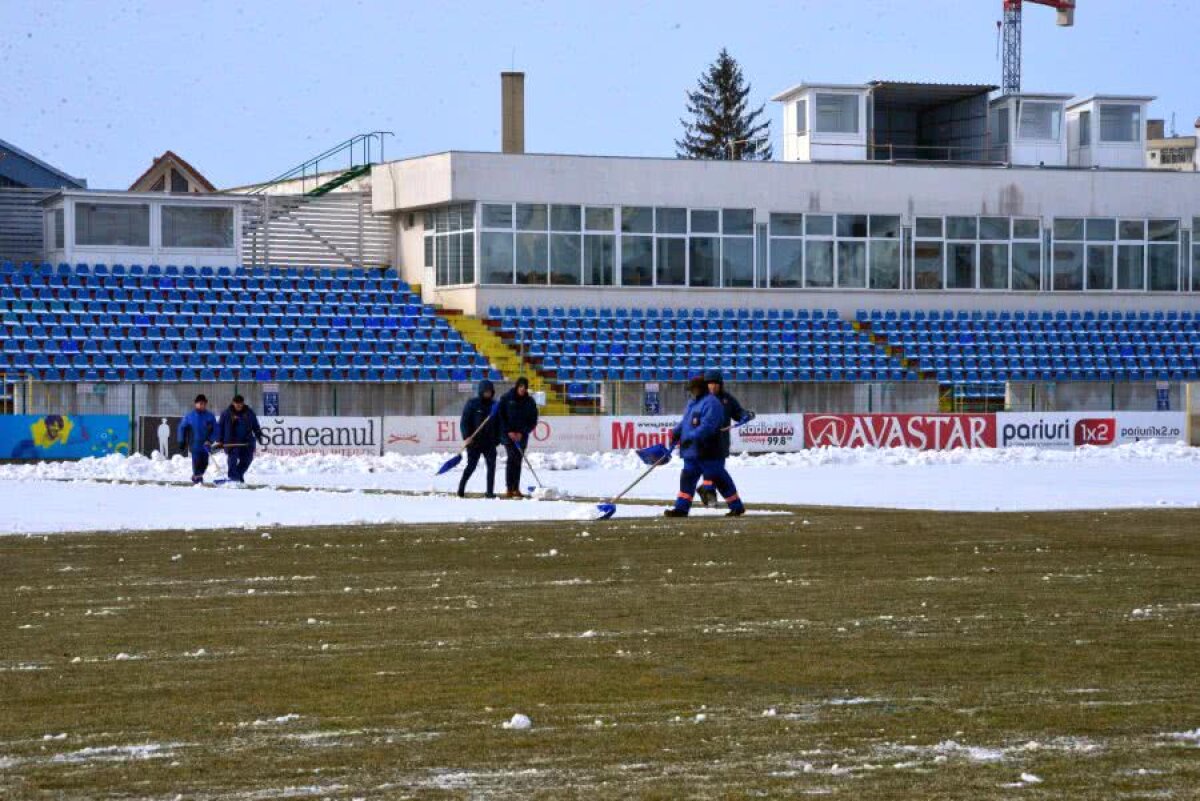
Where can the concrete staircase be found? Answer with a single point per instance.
(504, 358)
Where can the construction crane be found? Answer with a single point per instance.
(1011, 83)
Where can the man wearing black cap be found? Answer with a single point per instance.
(195, 435)
(518, 417)
(734, 413)
(698, 437)
(238, 432)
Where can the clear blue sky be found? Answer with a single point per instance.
(247, 90)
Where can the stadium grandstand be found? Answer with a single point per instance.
(935, 245)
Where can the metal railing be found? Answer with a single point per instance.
(360, 150)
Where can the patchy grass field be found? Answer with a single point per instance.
(862, 654)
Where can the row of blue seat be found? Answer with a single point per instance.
(529, 313)
(118, 270)
(681, 375)
(903, 315)
(349, 375)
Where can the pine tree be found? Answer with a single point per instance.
(721, 127)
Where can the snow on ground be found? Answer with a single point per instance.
(1016, 479)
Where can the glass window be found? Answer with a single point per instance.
(961, 228)
(852, 265)
(637, 220)
(787, 262)
(429, 245)
(1068, 267)
(453, 259)
(1040, 120)
(1133, 229)
(994, 228)
(1027, 229)
(1195, 269)
(993, 266)
(442, 270)
(1163, 230)
(598, 259)
(885, 263)
(531, 217)
(885, 226)
(671, 221)
(599, 219)
(818, 263)
(1101, 230)
(739, 222)
(787, 224)
(58, 227)
(532, 257)
(929, 228)
(1100, 267)
(495, 258)
(672, 261)
(1068, 228)
(1026, 266)
(467, 248)
(852, 225)
(495, 215)
(1131, 269)
(818, 224)
(1085, 128)
(801, 116)
(737, 261)
(178, 182)
(565, 218)
(565, 253)
(1120, 123)
(428, 218)
(1000, 125)
(927, 265)
(1163, 268)
(197, 227)
(704, 256)
(706, 221)
(637, 260)
(112, 224)
(837, 113)
(960, 265)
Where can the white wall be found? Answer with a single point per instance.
(867, 187)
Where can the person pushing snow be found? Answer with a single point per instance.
(238, 433)
(699, 437)
(481, 432)
(195, 435)
(518, 418)
(734, 415)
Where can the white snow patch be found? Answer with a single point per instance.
(518, 722)
(118, 753)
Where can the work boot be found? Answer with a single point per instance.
(490, 495)
(674, 513)
(513, 493)
(708, 496)
(736, 512)
(462, 493)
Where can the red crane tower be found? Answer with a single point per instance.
(1011, 83)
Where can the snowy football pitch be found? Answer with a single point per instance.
(864, 654)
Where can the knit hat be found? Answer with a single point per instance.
(698, 385)
(523, 382)
(714, 377)
(238, 399)
(200, 399)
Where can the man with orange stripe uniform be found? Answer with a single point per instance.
(699, 438)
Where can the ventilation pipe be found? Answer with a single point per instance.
(512, 112)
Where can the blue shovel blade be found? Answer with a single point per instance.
(606, 510)
(450, 464)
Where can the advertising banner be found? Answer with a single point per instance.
(921, 431)
(414, 435)
(777, 433)
(157, 433)
(626, 433)
(347, 436)
(61, 436)
(1073, 429)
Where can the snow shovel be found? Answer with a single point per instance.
(655, 456)
(455, 460)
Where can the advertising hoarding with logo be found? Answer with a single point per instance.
(414, 435)
(1099, 429)
(347, 436)
(921, 431)
(62, 436)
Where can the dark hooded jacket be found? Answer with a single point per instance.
(518, 413)
(475, 412)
